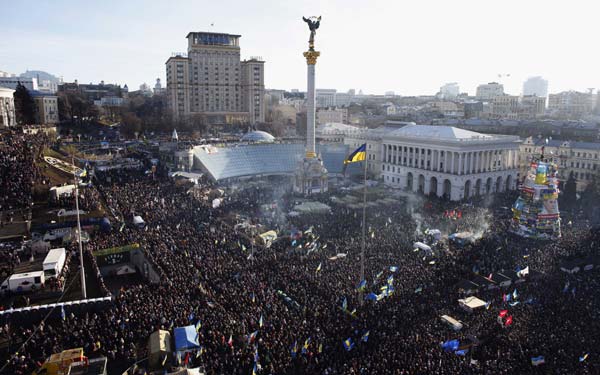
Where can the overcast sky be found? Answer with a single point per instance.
(409, 47)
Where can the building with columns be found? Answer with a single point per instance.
(441, 160)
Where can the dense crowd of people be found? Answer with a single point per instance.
(300, 295)
(18, 171)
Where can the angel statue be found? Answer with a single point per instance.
(313, 25)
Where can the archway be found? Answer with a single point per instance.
(478, 187)
(467, 189)
(421, 186)
(488, 185)
(447, 189)
(433, 186)
(508, 182)
(499, 184)
(409, 181)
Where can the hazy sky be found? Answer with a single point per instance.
(407, 46)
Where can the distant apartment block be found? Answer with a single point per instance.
(333, 114)
(489, 91)
(570, 105)
(10, 81)
(47, 107)
(535, 86)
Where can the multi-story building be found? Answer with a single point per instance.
(535, 86)
(505, 106)
(47, 107)
(489, 91)
(178, 85)
(580, 158)
(93, 91)
(326, 98)
(7, 107)
(449, 90)
(253, 88)
(10, 81)
(532, 106)
(570, 105)
(333, 114)
(344, 99)
(440, 160)
(211, 81)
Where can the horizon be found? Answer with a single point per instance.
(452, 45)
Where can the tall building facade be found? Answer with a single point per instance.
(449, 90)
(570, 105)
(47, 107)
(489, 91)
(326, 98)
(211, 80)
(535, 86)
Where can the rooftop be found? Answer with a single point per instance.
(257, 136)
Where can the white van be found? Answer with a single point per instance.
(23, 282)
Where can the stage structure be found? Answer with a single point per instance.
(311, 175)
(535, 212)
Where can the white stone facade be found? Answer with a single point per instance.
(445, 161)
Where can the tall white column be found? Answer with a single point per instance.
(310, 113)
(452, 162)
(460, 163)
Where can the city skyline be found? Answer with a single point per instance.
(363, 47)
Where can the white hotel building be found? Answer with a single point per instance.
(441, 160)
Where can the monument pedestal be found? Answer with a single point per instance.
(310, 177)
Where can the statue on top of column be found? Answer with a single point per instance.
(313, 25)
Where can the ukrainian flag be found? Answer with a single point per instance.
(360, 154)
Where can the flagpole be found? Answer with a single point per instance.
(364, 229)
(82, 272)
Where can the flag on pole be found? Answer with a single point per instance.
(256, 354)
(305, 346)
(63, 315)
(254, 370)
(393, 268)
(252, 337)
(294, 349)
(362, 285)
(230, 341)
(581, 359)
(348, 344)
(360, 154)
(260, 321)
(198, 325)
(515, 295)
(345, 304)
(365, 336)
(318, 268)
(509, 321)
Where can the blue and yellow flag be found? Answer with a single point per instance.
(348, 344)
(360, 154)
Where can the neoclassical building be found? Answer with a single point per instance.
(441, 160)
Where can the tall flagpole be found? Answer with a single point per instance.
(82, 272)
(364, 230)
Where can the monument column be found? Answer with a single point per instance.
(311, 61)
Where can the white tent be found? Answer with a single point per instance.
(471, 304)
(422, 246)
(137, 220)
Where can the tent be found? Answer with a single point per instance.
(471, 304)
(422, 246)
(455, 324)
(138, 221)
(186, 338)
(462, 238)
(159, 346)
(435, 233)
